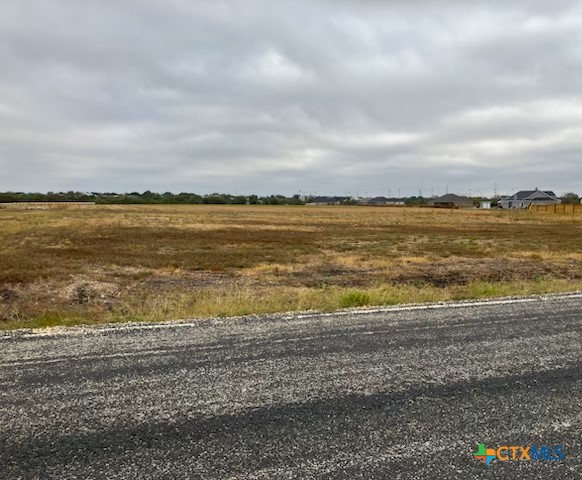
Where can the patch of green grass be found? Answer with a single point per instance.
(53, 319)
(484, 289)
(354, 298)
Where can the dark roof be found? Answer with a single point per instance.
(328, 199)
(523, 194)
(452, 198)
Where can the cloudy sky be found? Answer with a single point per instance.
(282, 96)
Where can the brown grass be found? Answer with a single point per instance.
(113, 263)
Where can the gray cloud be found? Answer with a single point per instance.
(327, 97)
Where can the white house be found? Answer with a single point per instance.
(525, 198)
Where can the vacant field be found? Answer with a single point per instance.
(115, 263)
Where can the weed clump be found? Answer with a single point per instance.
(8, 295)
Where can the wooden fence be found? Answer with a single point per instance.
(562, 209)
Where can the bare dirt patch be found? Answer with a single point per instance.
(464, 271)
(8, 295)
(91, 292)
(190, 281)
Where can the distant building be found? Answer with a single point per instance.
(377, 201)
(485, 205)
(381, 201)
(326, 200)
(525, 198)
(450, 200)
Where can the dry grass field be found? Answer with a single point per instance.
(119, 263)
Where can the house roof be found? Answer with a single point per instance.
(452, 198)
(327, 199)
(526, 194)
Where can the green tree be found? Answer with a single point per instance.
(570, 198)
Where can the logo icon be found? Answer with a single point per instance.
(532, 453)
(484, 454)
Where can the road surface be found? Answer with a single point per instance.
(379, 394)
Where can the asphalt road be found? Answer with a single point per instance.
(384, 394)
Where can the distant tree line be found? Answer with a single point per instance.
(149, 197)
(570, 198)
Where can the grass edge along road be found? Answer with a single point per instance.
(85, 327)
(246, 302)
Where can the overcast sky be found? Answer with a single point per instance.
(283, 96)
